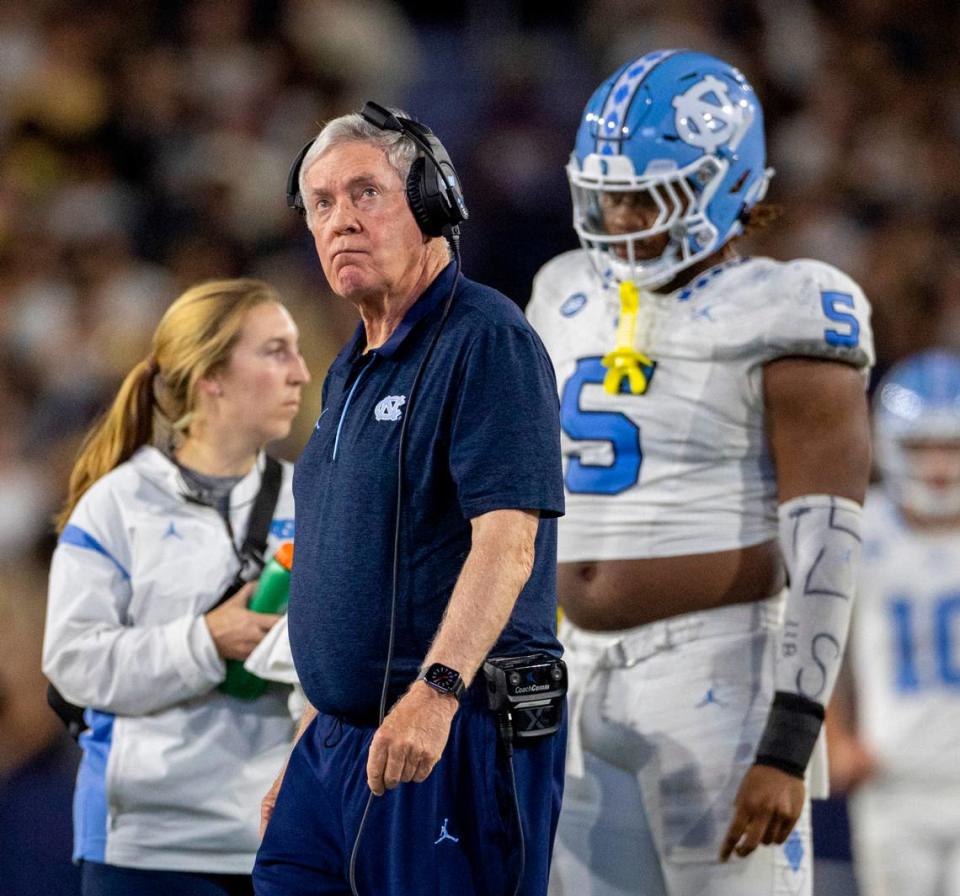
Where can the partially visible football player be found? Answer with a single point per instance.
(716, 438)
(896, 745)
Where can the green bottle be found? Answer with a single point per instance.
(271, 596)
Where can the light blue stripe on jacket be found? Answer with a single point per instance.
(90, 796)
(79, 538)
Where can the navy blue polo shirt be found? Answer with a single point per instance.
(483, 435)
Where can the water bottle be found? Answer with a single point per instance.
(270, 596)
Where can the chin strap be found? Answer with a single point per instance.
(625, 362)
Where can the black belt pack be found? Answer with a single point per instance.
(527, 692)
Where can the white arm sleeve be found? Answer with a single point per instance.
(94, 659)
(820, 539)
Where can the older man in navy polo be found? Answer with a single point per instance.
(406, 579)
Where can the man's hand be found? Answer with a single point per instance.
(411, 739)
(235, 629)
(767, 806)
(269, 801)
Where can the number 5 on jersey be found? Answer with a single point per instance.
(622, 434)
(849, 337)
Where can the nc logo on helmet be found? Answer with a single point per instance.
(706, 117)
(389, 408)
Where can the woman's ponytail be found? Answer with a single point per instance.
(126, 426)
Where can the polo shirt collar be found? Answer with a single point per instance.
(431, 299)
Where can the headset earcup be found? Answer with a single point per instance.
(294, 199)
(418, 198)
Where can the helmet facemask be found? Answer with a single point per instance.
(681, 199)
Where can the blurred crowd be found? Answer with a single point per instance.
(144, 146)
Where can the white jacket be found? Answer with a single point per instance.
(173, 770)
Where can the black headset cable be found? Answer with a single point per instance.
(453, 237)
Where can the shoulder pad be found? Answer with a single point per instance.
(562, 283)
(816, 311)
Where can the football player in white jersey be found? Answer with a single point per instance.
(716, 441)
(901, 742)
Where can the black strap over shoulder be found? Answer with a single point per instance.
(251, 555)
(258, 527)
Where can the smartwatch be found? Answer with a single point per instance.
(444, 679)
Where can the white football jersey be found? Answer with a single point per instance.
(905, 645)
(683, 468)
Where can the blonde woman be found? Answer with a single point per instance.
(167, 797)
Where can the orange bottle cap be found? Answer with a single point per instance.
(284, 555)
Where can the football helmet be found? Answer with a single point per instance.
(917, 403)
(685, 129)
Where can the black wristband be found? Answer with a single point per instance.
(790, 734)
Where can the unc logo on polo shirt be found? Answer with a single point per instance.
(389, 408)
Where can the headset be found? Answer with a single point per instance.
(433, 191)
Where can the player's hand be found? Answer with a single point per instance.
(235, 629)
(766, 808)
(411, 739)
(269, 801)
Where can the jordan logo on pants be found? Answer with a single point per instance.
(444, 835)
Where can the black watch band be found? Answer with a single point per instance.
(444, 679)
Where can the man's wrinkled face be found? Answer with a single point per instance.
(365, 234)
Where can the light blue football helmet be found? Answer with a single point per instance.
(918, 401)
(686, 128)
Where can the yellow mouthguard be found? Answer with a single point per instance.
(625, 360)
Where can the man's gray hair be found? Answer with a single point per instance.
(399, 148)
